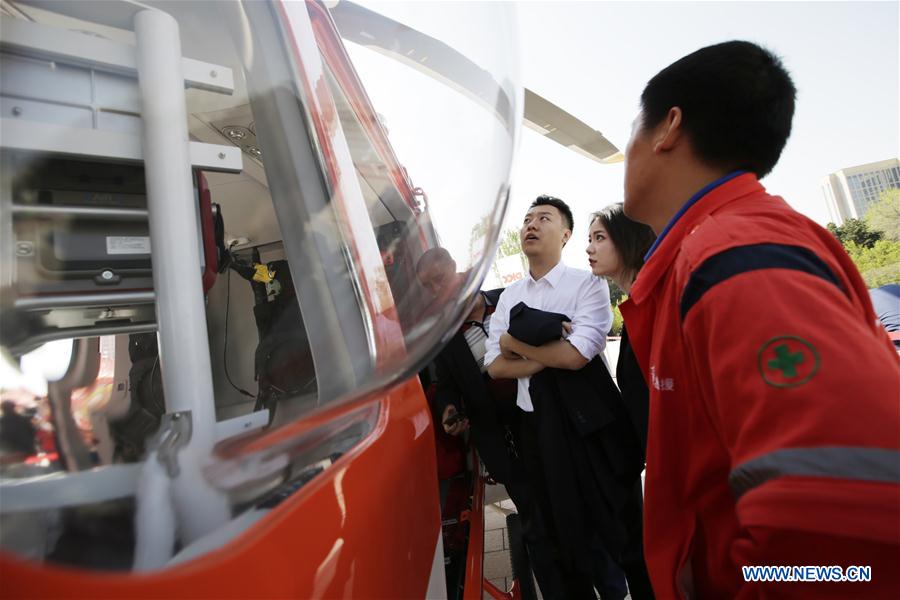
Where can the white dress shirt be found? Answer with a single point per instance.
(577, 293)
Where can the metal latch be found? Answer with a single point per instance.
(174, 434)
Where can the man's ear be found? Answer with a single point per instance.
(566, 236)
(668, 132)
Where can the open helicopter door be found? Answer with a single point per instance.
(338, 496)
(97, 171)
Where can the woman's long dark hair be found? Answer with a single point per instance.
(631, 239)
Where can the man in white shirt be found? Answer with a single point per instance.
(553, 287)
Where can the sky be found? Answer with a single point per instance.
(594, 58)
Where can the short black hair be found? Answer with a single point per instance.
(561, 206)
(737, 103)
(631, 239)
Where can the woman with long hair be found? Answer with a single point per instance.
(616, 250)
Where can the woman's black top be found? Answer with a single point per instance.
(635, 394)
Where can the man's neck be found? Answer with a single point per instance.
(539, 266)
(680, 189)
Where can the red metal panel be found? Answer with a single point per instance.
(365, 528)
(207, 227)
(475, 551)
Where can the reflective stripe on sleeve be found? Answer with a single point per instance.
(860, 464)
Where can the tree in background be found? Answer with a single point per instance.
(476, 237)
(616, 297)
(509, 243)
(509, 246)
(855, 231)
(878, 265)
(616, 328)
(616, 294)
(874, 243)
(884, 214)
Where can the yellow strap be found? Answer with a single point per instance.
(263, 274)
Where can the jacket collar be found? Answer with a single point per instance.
(553, 275)
(491, 296)
(703, 203)
(684, 208)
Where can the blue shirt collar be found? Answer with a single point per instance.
(694, 199)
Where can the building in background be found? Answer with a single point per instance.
(850, 191)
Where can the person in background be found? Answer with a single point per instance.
(616, 248)
(16, 432)
(772, 440)
(467, 398)
(581, 456)
(464, 393)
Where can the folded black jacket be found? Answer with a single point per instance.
(535, 327)
(590, 452)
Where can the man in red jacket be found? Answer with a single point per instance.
(774, 433)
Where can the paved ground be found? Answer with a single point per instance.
(497, 567)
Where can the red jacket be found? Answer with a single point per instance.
(774, 400)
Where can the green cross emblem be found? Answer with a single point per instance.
(787, 361)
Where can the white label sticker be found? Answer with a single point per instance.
(127, 245)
